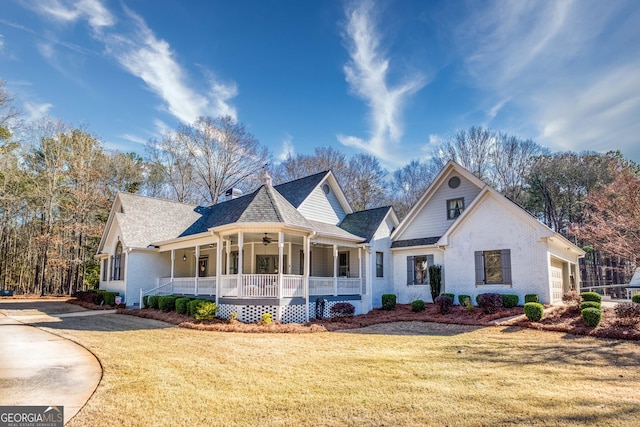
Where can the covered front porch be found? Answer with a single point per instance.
(273, 264)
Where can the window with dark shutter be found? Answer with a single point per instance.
(493, 267)
(410, 272)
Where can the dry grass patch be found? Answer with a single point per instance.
(411, 373)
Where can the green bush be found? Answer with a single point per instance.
(206, 310)
(417, 305)
(591, 296)
(145, 301)
(266, 318)
(590, 304)
(464, 300)
(182, 305)
(388, 301)
(591, 317)
(510, 300)
(193, 306)
(452, 296)
(154, 301)
(531, 298)
(109, 298)
(636, 298)
(167, 303)
(534, 311)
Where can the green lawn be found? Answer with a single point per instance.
(407, 374)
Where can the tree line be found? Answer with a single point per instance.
(57, 183)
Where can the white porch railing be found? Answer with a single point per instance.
(292, 286)
(259, 285)
(187, 285)
(348, 286)
(321, 285)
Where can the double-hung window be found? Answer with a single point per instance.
(455, 208)
(493, 267)
(418, 269)
(379, 264)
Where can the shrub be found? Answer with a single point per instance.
(154, 301)
(590, 304)
(510, 300)
(109, 298)
(591, 317)
(418, 305)
(489, 302)
(435, 280)
(90, 297)
(266, 318)
(192, 306)
(388, 301)
(145, 301)
(182, 305)
(534, 311)
(453, 297)
(444, 303)
(342, 309)
(233, 317)
(167, 303)
(572, 299)
(531, 298)
(627, 312)
(636, 298)
(206, 310)
(591, 296)
(464, 300)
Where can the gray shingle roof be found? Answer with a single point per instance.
(334, 231)
(425, 241)
(145, 219)
(364, 223)
(297, 191)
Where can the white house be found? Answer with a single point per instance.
(283, 249)
(483, 241)
(278, 250)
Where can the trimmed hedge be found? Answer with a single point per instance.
(342, 309)
(109, 298)
(489, 302)
(534, 311)
(510, 300)
(464, 300)
(206, 310)
(590, 304)
(444, 303)
(91, 297)
(167, 303)
(193, 306)
(388, 301)
(444, 294)
(417, 305)
(591, 296)
(145, 301)
(154, 301)
(531, 298)
(591, 317)
(182, 305)
(635, 298)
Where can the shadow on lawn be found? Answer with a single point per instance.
(104, 323)
(414, 328)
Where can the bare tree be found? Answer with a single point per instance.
(300, 165)
(469, 148)
(409, 183)
(366, 185)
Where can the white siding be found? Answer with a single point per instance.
(493, 226)
(378, 286)
(148, 267)
(322, 207)
(432, 220)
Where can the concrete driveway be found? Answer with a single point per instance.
(39, 368)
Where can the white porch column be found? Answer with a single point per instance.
(240, 258)
(218, 241)
(197, 269)
(228, 249)
(280, 261)
(360, 269)
(306, 273)
(335, 270)
(173, 263)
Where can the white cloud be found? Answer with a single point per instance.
(71, 11)
(567, 69)
(287, 148)
(36, 111)
(367, 73)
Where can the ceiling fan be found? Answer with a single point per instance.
(266, 239)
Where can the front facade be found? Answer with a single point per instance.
(295, 249)
(288, 250)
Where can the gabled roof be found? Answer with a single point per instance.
(143, 220)
(365, 223)
(331, 230)
(298, 190)
(264, 205)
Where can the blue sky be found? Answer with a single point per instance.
(389, 78)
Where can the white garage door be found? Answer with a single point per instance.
(556, 283)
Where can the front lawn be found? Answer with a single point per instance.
(407, 373)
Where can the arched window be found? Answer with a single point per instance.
(117, 263)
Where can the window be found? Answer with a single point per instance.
(379, 264)
(454, 208)
(117, 263)
(418, 269)
(493, 267)
(203, 266)
(343, 264)
(105, 267)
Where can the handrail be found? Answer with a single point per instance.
(150, 291)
